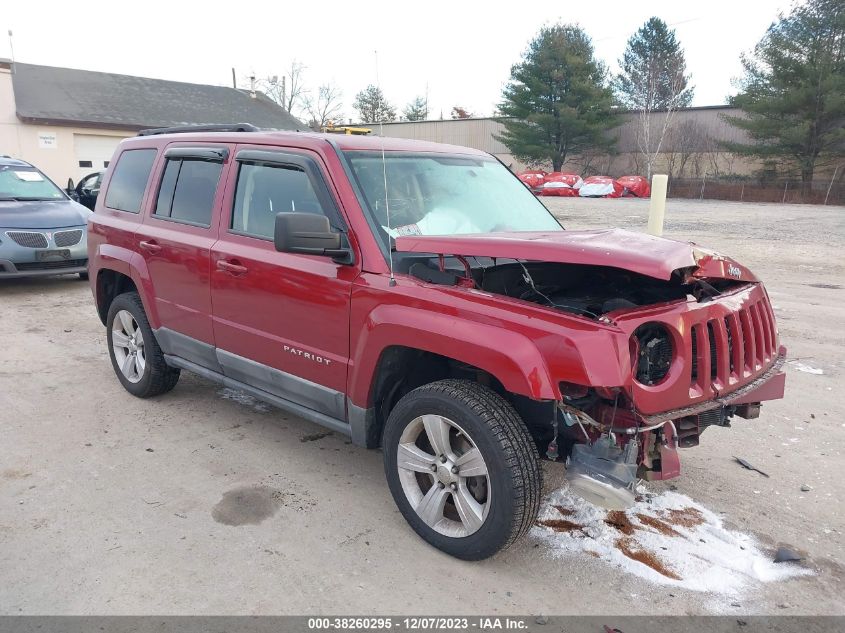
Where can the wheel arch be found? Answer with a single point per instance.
(120, 270)
(400, 369)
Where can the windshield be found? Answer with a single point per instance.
(446, 194)
(26, 183)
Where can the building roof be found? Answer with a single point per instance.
(46, 94)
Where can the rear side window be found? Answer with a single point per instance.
(187, 191)
(129, 180)
(265, 190)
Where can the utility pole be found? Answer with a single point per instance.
(284, 93)
(12, 50)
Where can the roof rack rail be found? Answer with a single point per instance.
(184, 129)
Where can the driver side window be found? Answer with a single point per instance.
(265, 190)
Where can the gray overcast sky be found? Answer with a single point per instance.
(463, 51)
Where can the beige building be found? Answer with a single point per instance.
(690, 148)
(67, 122)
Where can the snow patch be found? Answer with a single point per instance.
(667, 539)
(243, 398)
(807, 369)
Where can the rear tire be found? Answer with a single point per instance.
(135, 354)
(462, 468)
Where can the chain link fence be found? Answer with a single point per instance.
(744, 190)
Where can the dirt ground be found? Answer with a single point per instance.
(206, 502)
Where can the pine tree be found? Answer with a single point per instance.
(372, 106)
(557, 102)
(793, 90)
(653, 70)
(653, 78)
(417, 110)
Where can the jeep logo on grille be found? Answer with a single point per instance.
(734, 271)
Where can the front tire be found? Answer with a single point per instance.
(462, 468)
(135, 354)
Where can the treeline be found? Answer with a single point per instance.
(561, 101)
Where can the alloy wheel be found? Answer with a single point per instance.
(128, 345)
(443, 475)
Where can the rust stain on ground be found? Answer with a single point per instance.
(620, 520)
(564, 511)
(560, 525)
(685, 517)
(664, 528)
(627, 547)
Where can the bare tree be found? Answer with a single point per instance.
(325, 108)
(459, 112)
(289, 89)
(684, 144)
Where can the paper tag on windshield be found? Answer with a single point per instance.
(408, 229)
(29, 176)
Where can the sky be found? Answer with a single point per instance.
(459, 52)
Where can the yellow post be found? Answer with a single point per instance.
(657, 210)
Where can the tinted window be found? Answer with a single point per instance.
(168, 186)
(187, 190)
(129, 180)
(264, 190)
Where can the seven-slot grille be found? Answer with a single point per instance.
(67, 238)
(725, 350)
(28, 239)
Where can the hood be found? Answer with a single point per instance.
(656, 257)
(42, 214)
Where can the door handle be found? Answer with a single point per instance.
(231, 267)
(151, 246)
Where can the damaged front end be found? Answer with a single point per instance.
(699, 330)
(694, 365)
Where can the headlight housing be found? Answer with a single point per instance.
(654, 352)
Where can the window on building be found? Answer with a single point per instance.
(129, 180)
(187, 190)
(265, 190)
(86, 163)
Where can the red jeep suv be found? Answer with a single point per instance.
(417, 297)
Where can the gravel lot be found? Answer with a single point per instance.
(114, 505)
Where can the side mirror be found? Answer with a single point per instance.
(308, 234)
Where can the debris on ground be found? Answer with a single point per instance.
(805, 488)
(786, 555)
(245, 399)
(749, 466)
(666, 538)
